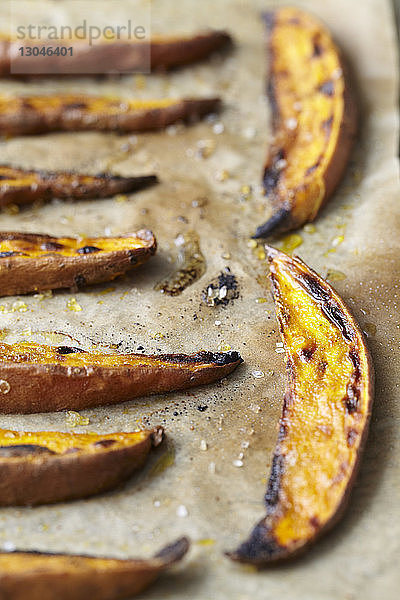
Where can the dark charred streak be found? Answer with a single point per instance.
(327, 126)
(68, 350)
(75, 105)
(317, 48)
(327, 88)
(104, 443)
(352, 435)
(277, 470)
(328, 306)
(79, 280)
(275, 113)
(11, 253)
(132, 258)
(51, 246)
(217, 358)
(311, 169)
(21, 450)
(355, 359)
(88, 250)
(273, 173)
(352, 398)
(321, 366)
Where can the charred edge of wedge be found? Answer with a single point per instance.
(60, 383)
(262, 546)
(65, 184)
(74, 115)
(283, 219)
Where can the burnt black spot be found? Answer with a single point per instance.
(51, 246)
(352, 435)
(202, 407)
(79, 280)
(273, 102)
(277, 470)
(315, 522)
(21, 450)
(327, 88)
(273, 173)
(317, 48)
(223, 290)
(307, 353)
(11, 253)
(105, 443)
(217, 358)
(68, 350)
(140, 348)
(88, 250)
(328, 306)
(132, 259)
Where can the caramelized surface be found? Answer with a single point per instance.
(85, 104)
(313, 119)
(325, 414)
(39, 354)
(36, 246)
(60, 443)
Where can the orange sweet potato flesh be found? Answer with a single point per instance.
(26, 115)
(44, 576)
(32, 262)
(119, 56)
(39, 378)
(325, 414)
(50, 466)
(314, 119)
(21, 186)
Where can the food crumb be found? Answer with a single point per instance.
(182, 511)
(74, 419)
(237, 463)
(203, 445)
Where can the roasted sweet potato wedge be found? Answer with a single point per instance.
(40, 114)
(31, 262)
(111, 57)
(21, 186)
(45, 576)
(314, 119)
(39, 378)
(325, 415)
(50, 466)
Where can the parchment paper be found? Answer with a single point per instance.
(221, 501)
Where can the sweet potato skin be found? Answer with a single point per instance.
(31, 115)
(22, 274)
(118, 57)
(41, 478)
(314, 121)
(21, 186)
(39, 379)
(325, 416)
(45, 576)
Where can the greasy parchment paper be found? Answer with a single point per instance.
(221, 501)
